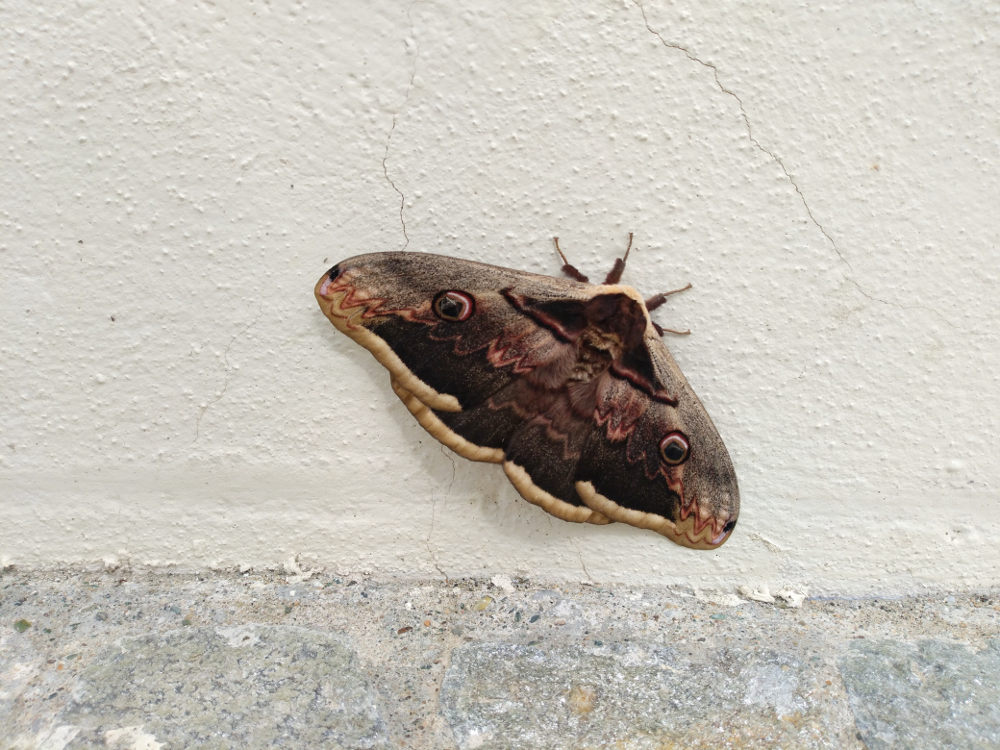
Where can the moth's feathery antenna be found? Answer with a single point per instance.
(569, 269)
(619, 268)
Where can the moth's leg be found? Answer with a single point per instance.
(661, 330)
(658, 299)
(569, 269)
(615, 275)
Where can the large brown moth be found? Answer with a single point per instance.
(565, 383)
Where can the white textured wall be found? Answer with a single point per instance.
(176, 176)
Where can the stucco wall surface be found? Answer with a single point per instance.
(175, 177)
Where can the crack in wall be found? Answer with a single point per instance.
(430, 531)
(427, 541)
(395, 116)
(583, 565)
(763, 149)
(388, 178)
(228, 371)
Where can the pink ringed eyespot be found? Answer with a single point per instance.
(453, 305)
(674, 448)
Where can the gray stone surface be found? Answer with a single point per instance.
(146, 660)
(903, 693)
(508, 696)
(247, 686)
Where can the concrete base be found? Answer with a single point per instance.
(149, 660)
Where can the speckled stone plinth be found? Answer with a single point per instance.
(151, 660)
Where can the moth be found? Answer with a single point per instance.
(565, 383)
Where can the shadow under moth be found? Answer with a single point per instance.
(565, 383)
